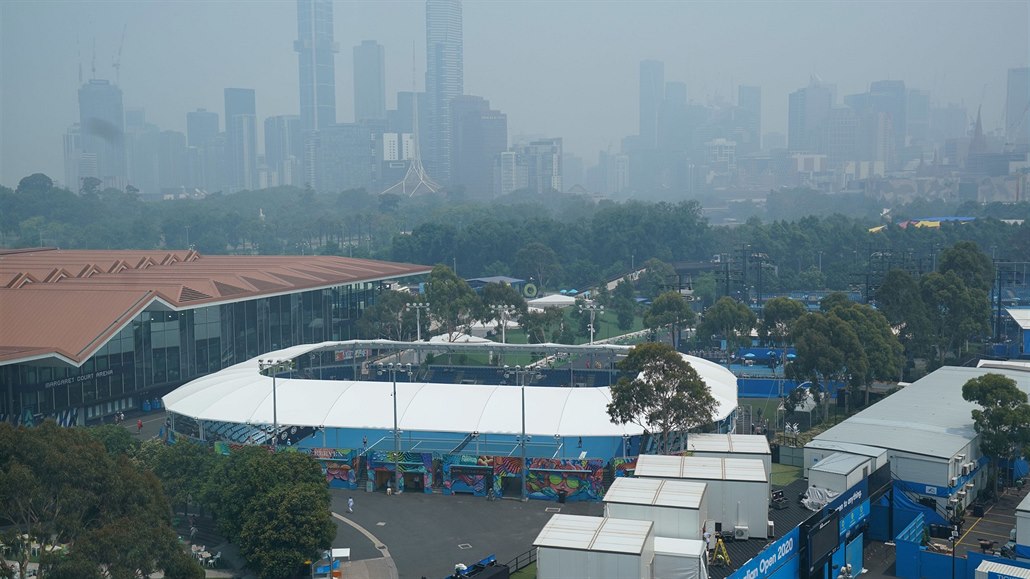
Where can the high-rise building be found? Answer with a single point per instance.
(315, 48)
(652, 92)
(890, 97)
(241, 138)
(478, 136)
(543, 161)
(749, 100)
(444, 81)
(673, 132)
(201, 127)
(283, 150)
(917, 116)
(842, 137)
(350, 156)
(1017, 106)
(510, 173)
(807, 111)
(369, 81)
(102, 131)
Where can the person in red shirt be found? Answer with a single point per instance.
(139, 425)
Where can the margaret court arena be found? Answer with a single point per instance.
(462, 409)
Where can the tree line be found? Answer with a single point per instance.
(98, 503)
(562, 241)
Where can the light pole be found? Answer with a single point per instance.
(520, 379)
(418, 307)
(274, 366)
(625, 446)
(505, 313)
(393, 368)
(593, 309)
(954, 541)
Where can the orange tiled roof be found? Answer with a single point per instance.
(68, 303)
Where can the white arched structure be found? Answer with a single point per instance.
(241, 394)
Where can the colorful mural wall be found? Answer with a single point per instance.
(419, 464)
(546, 479)
(339, 465)
(624, 466)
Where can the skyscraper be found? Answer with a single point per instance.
(807, 111)
(241, 138)
(369, 81)
(1017, 107)
(749, 99)
(891, 98)
(315, 48)
(201, 127)
(102, 130)
(444, 81)
(479, 135)
(652, 91)
(283, 149)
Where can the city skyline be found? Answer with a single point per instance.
(585, 93)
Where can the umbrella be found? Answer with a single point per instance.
(749, 355)
(791, 356)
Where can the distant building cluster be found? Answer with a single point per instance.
(878, 140)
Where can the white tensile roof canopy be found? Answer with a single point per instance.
(241, 394)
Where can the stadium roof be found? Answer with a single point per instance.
(241, 394)
(68, 303)
(928, 417)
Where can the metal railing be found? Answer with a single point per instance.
(522, 561)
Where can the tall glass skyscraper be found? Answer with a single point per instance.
(315, 48)
(241, 138)
(445, 80)
(102, 129)
(369, 81)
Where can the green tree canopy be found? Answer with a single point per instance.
(727, 318)
(658, 278)
(1003, 419)
(60, 486)
(669, 309)
(884, 353)
(828, 351)
(973, 266)
(666, 394)
(957, 312)
(453, 304)
(285, 527)
(778, 317)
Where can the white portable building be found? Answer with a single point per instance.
(817, 450)
(1023, 527)
(988, 569)
(731, 446)
(594, 548)
(838, 472)
(678, 509)
(679, 559)
(737, 488)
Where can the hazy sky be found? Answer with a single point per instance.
(557, 68)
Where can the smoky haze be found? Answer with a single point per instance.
(557, 69)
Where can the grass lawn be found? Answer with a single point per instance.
(783, 474)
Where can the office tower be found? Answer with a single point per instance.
(510, 173)
(1017, 107)
(283, 150)
(749, 101)
(543, 160)
(369, 81)
(315, 49)
(72, 158)
(241, 138)
(201, 127)
(102, 130)
(478, 136)
(890, 97)
(842, 137)
(806, 113)
(444, 81)
(350, 156)
(673, 131)
(917, 116)
(652, 92)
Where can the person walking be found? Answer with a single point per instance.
(350, 504)
(139, 426)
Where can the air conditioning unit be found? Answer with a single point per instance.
(965, 469)
(971, 465)
(959, 457)
(772, 529)
(954, 480)
(740, 533)
(953, 500)
(969, 486)
(962, 494)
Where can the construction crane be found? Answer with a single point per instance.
(117, 64)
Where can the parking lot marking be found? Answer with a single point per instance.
(464, 546)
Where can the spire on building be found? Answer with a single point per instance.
(416, 179)
(979, 143)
